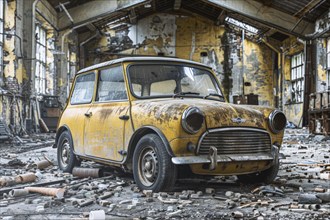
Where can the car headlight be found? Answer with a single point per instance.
(192, 120)
(277, 121)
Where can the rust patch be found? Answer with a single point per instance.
(105, 113)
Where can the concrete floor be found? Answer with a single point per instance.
(217, 198)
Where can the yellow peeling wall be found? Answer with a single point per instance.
(293, 111)
(11, 105)
(14, 105)
(258, 71)
(193, 38)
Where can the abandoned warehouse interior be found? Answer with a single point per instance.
(278, 55)
(271, 53)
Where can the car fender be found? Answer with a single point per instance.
(147, 130)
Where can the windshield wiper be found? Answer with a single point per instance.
(214, 94)
(185, 93)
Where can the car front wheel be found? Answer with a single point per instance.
(266, 176)
(65, 156)
(152, 165)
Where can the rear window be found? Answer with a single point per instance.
(83, 89)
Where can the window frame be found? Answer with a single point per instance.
(295, 79)
(328, 62)
(41, 60)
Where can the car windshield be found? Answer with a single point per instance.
(170, 80)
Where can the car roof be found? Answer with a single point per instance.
(141, 58)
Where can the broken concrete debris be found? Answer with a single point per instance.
(97, 215)
(101, 195)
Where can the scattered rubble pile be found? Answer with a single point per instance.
(31, 187)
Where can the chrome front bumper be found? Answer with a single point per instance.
(213, 158)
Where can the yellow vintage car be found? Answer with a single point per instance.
(155, 115)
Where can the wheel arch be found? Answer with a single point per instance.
(59, 132)
(138, 134)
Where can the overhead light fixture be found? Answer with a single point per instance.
(241, 25)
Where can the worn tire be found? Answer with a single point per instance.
(152, 165)
(67, 160)
(266, 176)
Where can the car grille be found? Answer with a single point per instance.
(235, 141)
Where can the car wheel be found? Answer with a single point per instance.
(266, 176)
(152, 165)
(65, 156)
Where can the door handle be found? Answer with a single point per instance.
(124, 117)
(89, 114)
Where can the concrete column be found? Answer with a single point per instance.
(27, 40)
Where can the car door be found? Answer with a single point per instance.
(80, 103)
(108, 116)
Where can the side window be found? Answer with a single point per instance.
(83, 89)
(111, 85)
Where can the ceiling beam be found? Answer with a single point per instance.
(309, 7)
(221, 18)
(132, 16)
(94, 10)
(266, 15)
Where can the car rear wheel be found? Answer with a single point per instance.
(266, 176)
(65, 156)
(152, 165)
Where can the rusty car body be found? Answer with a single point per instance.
(153, 115)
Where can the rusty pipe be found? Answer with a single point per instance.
(25, 178)
(237, 214)
(58, 192)
(86, 172)
(18, 192)
(43, 164)
(7, 181)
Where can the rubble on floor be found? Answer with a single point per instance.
(32, 187)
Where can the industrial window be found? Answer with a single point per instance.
(328, 62)
(40, 72)
(297, 78)
(1, 39)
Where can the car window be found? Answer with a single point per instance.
(111, 85)
(83, 89)
(167, 80)
(162, 88)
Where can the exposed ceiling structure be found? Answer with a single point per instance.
(274, 18)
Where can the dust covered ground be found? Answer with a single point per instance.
(301, 190)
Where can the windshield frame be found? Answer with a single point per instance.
(182, 64)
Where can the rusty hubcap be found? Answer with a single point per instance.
(148, 166)
(65, 155)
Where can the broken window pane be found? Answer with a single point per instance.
(40, 68)
(297, 78)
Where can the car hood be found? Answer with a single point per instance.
(217, 114)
